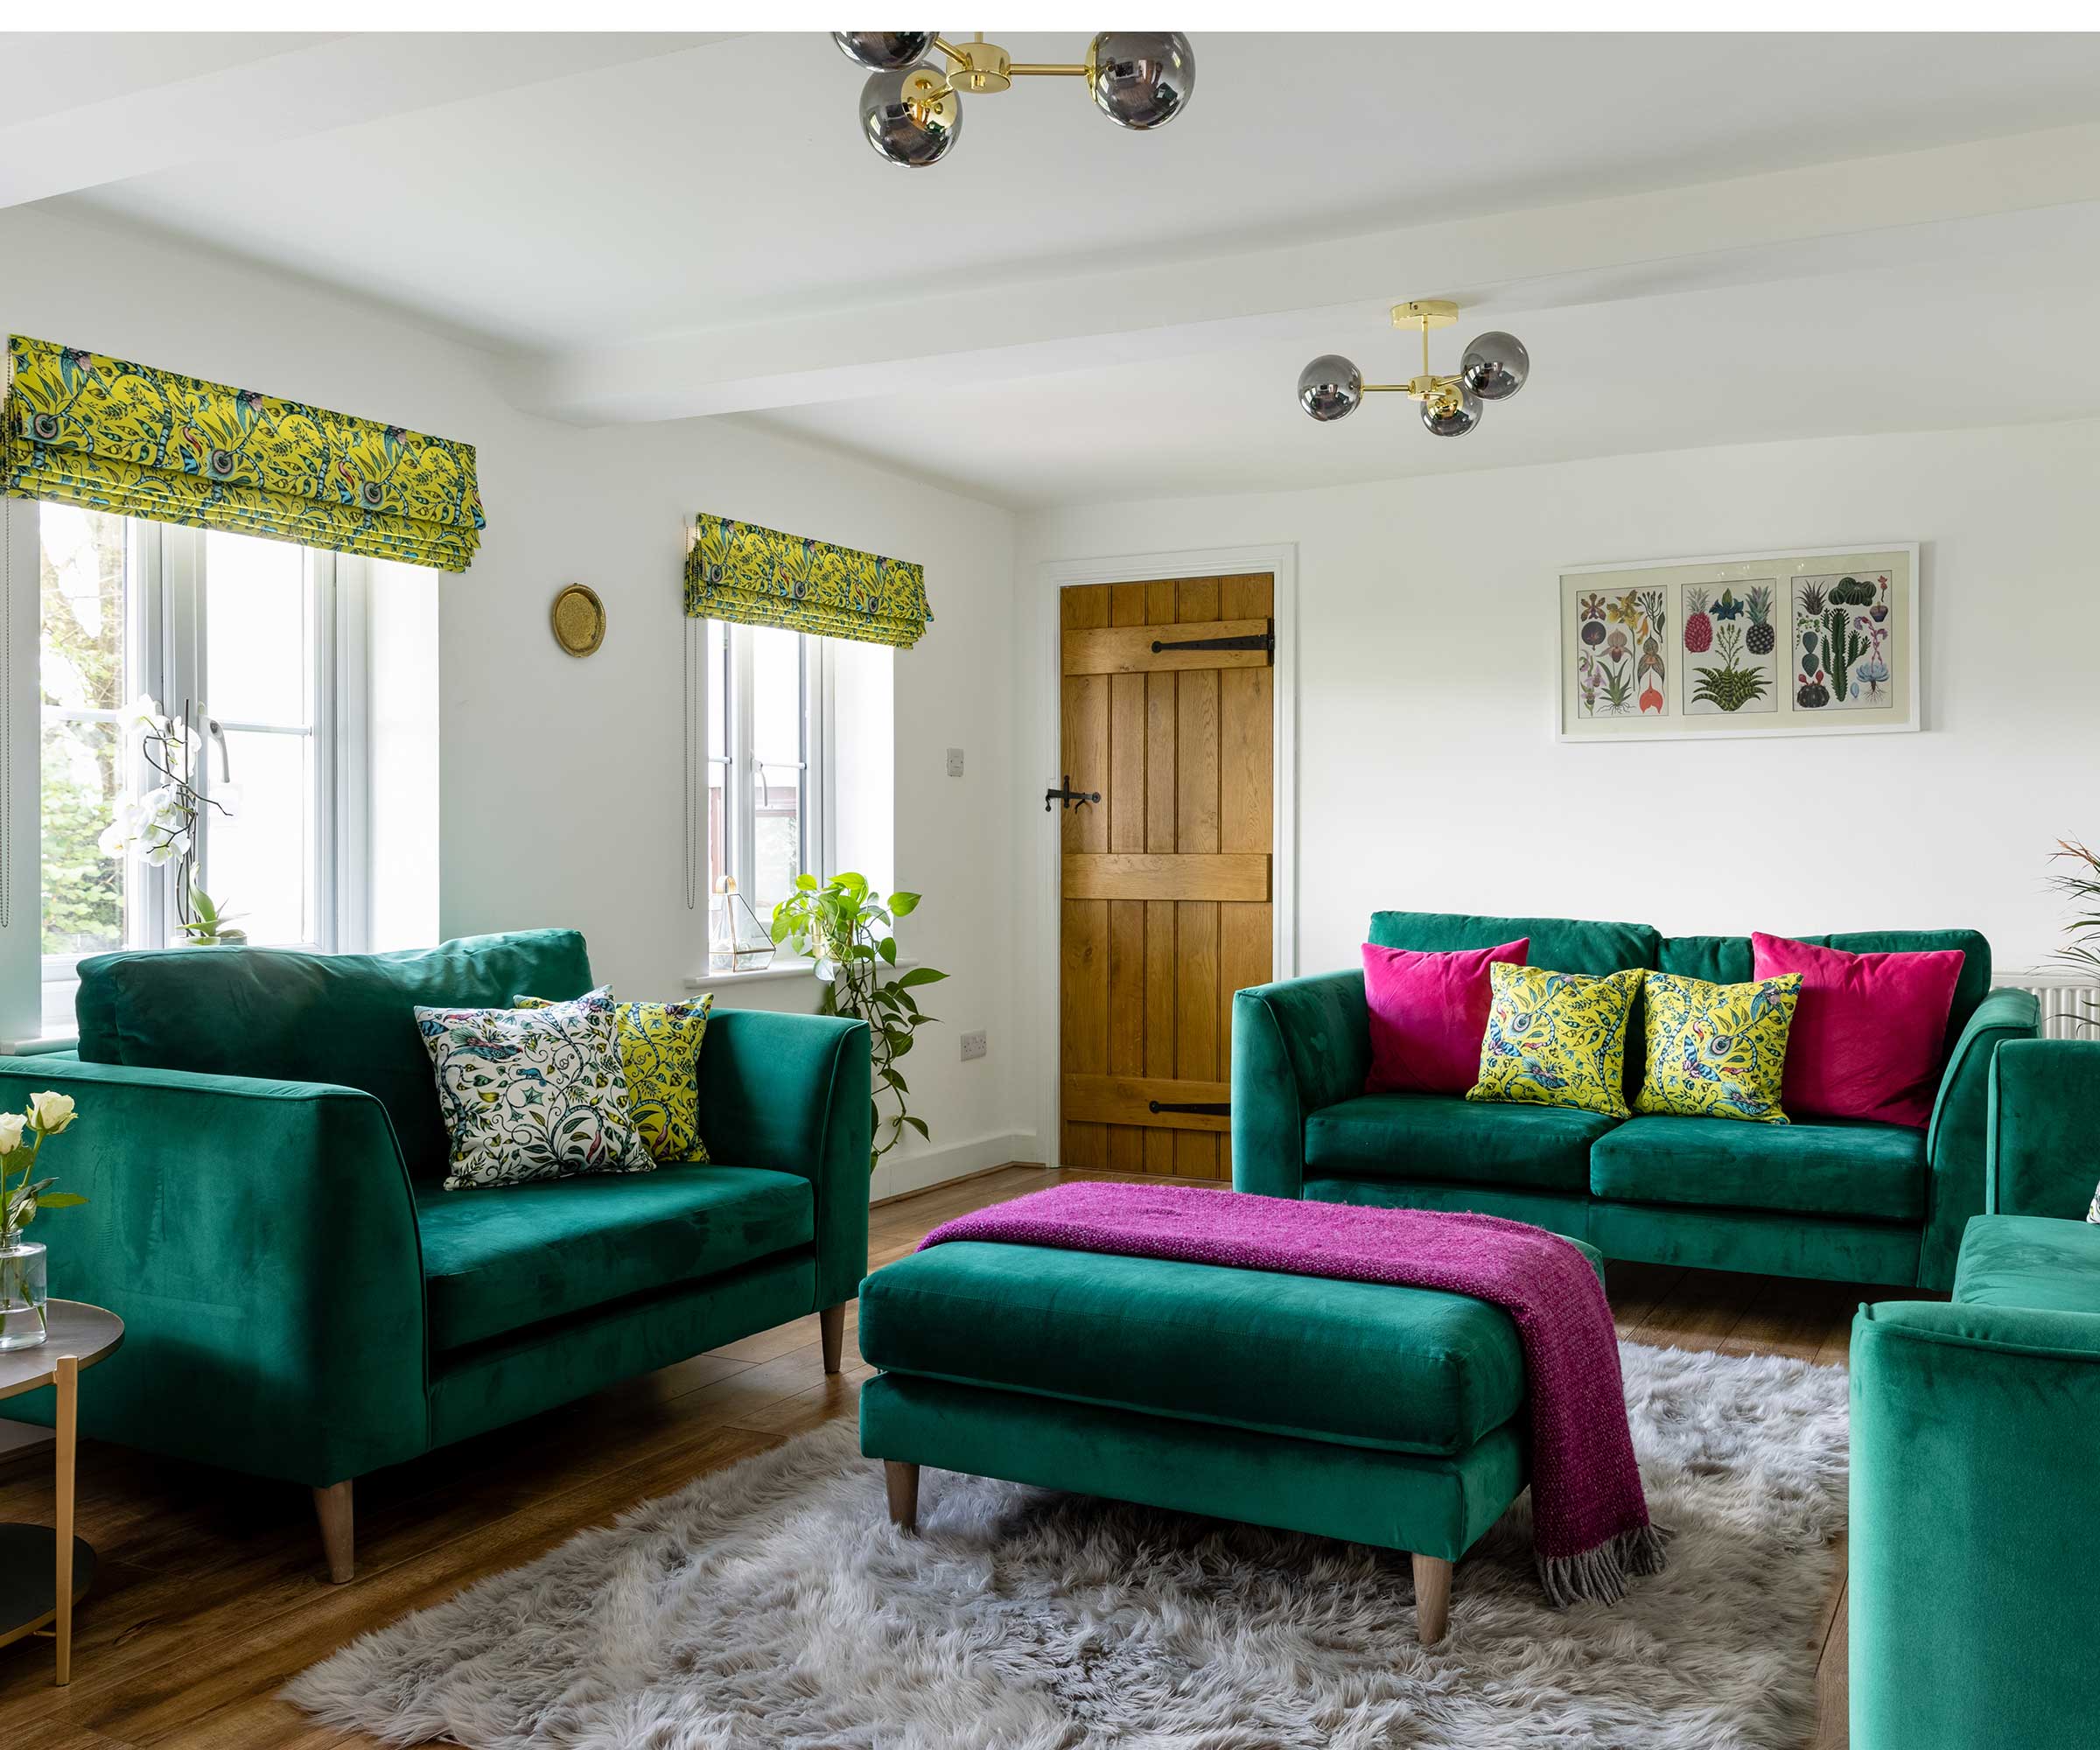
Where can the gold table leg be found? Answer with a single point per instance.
(69, 1396)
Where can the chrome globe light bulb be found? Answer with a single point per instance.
(1141, 79)
(884, 50)
(1330, 388)
(910, 117)
(1454, 415)
(1496, 365)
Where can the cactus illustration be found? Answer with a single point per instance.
(1842, 646)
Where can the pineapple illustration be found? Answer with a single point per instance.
(1760, 638)
(1698, 629)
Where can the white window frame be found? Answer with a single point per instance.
(166, 655)
(739, 763)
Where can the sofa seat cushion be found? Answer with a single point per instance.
(1447, 1139)
(497, 1260)
(1359, 1363)
(2035, 1260)
(1871, 1171)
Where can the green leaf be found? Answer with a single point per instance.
(900, 1041)
(897, 1082)
(903, 904)
(851, 881)
(60, 1199)
(807, 884)
(918, 1124)
(905, 1002)
(888, 948)
(921, 974)
(782, 928)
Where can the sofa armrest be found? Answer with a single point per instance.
(2045, 1127)
(794, 1092)
(258, 1239)
(1296, 1047)
(1973, 1541)
(1955, 1143)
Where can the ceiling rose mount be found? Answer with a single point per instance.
(1493, 367)
(911, 109)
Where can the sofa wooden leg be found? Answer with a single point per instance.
(338, 1537)
(1433, 1599)
(903, 1481)
(832, 1323)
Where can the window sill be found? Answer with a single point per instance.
(38, 1047)
(782, 968)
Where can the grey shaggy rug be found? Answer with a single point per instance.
(773, 1604)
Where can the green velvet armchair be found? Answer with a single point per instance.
(1975, 1535)
(302, 1298)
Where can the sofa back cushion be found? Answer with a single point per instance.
(1558, 944)
(345, 1019)
(1727, 960)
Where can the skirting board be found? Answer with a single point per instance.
(918, 1172)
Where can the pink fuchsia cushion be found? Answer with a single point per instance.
(1868, 1029)
(1428, 1011)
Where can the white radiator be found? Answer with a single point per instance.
(2070, 1004)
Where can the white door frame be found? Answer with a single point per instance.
(1054, 576)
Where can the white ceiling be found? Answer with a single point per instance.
(1702, 238)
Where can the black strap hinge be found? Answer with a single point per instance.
(1264, 641)
(1220, 1109)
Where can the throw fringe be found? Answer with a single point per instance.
(1600, 1576)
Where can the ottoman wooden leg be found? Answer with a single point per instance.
(903, 1480)
(1432, 1598)
(832, 1326)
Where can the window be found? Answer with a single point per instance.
(765, 690)
(242, 634)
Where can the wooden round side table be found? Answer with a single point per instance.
(44, 1572)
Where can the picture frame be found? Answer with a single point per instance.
(1808, 641)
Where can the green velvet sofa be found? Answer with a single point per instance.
(1849, 1202)
(259, 1142)
(1975, 1524)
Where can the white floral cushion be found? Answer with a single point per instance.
(531, 1094)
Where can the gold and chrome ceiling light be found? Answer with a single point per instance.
(1493, 367)
(912, 110)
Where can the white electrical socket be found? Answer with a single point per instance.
(973, 1047)
(955, 762)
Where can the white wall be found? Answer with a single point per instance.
(560, 779)
(1428, 773)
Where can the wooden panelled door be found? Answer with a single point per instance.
(1166, 912)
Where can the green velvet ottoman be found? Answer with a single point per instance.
(1381, 1415)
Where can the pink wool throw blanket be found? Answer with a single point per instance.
(1590, 1531)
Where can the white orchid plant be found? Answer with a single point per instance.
(158, 821)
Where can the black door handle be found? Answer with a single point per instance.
(1069, 797)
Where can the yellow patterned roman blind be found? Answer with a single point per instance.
(86, 428)
(759, 577)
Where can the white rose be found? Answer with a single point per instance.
(53, 1112)
(11, 1126)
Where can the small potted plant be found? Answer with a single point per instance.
(23, 1323)
(846, 929)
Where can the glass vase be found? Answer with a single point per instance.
(23, 1324)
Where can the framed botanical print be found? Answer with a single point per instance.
(1816, 641)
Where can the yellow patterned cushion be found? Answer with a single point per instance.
(1716, 1051)
(1557, 1039)
(660, 1052)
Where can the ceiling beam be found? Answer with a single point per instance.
(280, 94)
(2009, 194)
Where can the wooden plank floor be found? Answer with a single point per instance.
(211, 1595)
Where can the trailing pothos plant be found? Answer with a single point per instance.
(845, 926)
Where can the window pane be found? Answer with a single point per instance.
(83, 604)
(776, 733)
(83, 890)
(258, 665)
(715, 666)
(716, 661)
(259, 863)
(81, 666)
